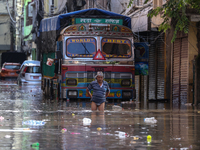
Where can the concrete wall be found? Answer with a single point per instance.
(4, 33)
(156, 21)
(118, 6)
(5, 26)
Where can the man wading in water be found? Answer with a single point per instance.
(101, 91)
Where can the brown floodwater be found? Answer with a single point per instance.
(121, 126)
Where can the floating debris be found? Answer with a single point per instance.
(64, 130)
(75, 133)
(99, 129)
(87, 121)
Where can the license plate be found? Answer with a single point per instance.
(35, 77)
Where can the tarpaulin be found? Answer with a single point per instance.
(50, 27)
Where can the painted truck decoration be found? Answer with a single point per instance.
(89, 45)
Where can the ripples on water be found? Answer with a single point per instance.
(121, 126)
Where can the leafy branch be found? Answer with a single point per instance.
(174, 13)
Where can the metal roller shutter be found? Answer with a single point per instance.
(160, 69)
(180, 71)
(156, 67)
(152, 67)
(184, 71)
(176, 71)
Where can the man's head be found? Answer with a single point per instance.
(99, 77)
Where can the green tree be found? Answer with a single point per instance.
(174, 12)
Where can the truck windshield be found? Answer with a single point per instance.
(80, 47)
(120, 48)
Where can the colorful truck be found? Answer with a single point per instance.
(84, 42)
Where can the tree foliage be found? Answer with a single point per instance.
(174, 12)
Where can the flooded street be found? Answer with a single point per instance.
(122, 125)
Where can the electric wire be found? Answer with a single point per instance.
(10, 14)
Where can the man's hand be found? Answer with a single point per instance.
(88, 92)
(107, 93)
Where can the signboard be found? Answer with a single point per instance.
(141, 52)
(141, 68)
(141, 58)
(98, 56)
(97, 20)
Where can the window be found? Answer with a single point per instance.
(81, 46)
(116, 47)
(33, 69)
(14, 67)
(29, 14)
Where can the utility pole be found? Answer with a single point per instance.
(18, 26)
(12, 29)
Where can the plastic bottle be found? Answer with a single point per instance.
(34, 122)
(35, 144)
(149, 139)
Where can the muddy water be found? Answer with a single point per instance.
(121, 126)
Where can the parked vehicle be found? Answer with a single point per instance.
(30, 74)
(30, 61)
(10, 70)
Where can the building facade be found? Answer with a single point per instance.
(6, 25)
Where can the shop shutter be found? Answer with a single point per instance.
(160, 80)
(152, 67)
(156, 67)
(176, 71)
(184, 71)
(180, 71)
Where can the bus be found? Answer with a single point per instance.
(84, 42)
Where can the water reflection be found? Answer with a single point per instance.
(121, 126)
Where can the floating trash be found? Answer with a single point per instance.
(99, 129)
(35, 144)
(136, 138)
(149, 139)
(34, 122)
(116, 108)
(150, 120)
(87, 121)
(7, 136)
(121, 134)
(17, 130)
(1, 118)
(75, 133)
(63, 130)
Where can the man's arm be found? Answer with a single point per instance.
(88, 92)
(108, 90)
(107, 93)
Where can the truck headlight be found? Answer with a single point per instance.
(72, 93)
(71, 82)
(126, 82)
(126, 94)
